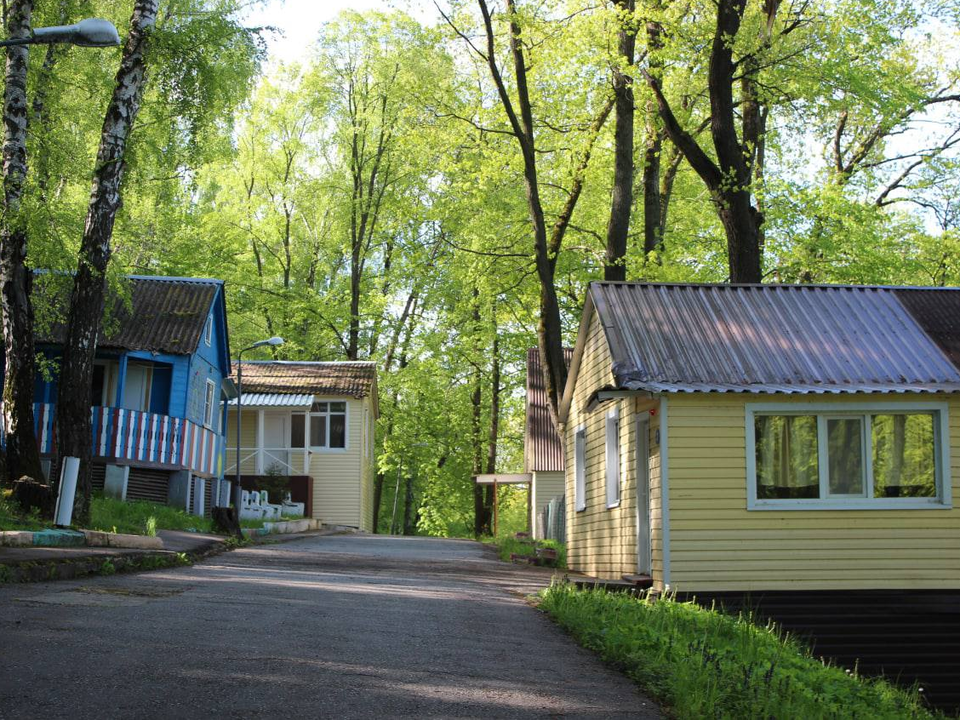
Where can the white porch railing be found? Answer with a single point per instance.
(292, 461)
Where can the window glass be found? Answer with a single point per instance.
(787, 459)
(845, 456)
(338, 407)
(579, 488)
(318, 430)
(208, 405)
(338, 430)
(297, 430)
(903, 456)
(319, 407)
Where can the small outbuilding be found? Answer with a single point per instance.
(765, 437)
(309, 427)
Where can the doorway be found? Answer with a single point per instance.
(643, 495)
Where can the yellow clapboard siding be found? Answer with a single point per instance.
(716, 543)
(601, 541)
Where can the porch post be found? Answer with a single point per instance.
(260, 442)
(306, 442)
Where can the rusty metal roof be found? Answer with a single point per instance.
(352, 379)
(158, 314)
(542, 449)
(780, 338)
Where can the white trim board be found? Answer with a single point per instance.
(665, 489)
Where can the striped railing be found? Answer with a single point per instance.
(138, 436)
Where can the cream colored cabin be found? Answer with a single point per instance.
(796, 478)
(311, 419)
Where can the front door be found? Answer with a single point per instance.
(276, 435)
(643, 496)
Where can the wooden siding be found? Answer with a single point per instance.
(602, 541)
(248, 439)
(336, 474)
(717, 544)
(367, 465)
(546, 485)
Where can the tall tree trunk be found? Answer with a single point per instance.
(729, 179)
(16, 279)
(652, 198)
(408, 517)
(614, 268)
(481, 516)
(492, 440)
(89, 285)
(378, 481)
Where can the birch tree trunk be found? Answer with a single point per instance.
(87, 299)
(22, 456)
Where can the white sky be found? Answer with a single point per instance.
(299, 21)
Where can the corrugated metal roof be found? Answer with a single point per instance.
(353, 379)
(163, 315)
(542, 449)
(274, 400)
(779, 338)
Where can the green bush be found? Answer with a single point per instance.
(703, 663)
(139, 517)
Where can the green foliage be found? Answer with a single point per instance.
(12, 519)
(142, 518)
(704, 663)
(108, 568)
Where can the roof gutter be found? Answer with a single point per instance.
(604, 395)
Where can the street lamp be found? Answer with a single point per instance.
(272, 342)
(92, 32)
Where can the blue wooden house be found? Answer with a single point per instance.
(160, 377)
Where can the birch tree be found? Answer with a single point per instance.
(16, 278)
(89, 286)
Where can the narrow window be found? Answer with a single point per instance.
(208, 331)
(208, 404)
(613, 458)
(579, 481)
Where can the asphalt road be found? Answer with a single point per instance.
(337, 626)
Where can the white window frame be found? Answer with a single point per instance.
(580, 469)
(208, 330)
(942, 501)
(209, 402)
(308, 421)
(612, 440)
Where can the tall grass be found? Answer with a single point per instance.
(703, 663)
(142, 518)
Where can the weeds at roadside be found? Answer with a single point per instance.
(704, 663)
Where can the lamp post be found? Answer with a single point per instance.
(272, 342)
(92, 32)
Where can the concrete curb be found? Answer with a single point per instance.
(285, 527)
(77, 538)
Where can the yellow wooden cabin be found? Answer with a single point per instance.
(312, 423)
(744, 438)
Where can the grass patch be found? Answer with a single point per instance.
(138, 517)
(12, 519)
(507, 546)
(703, 663)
